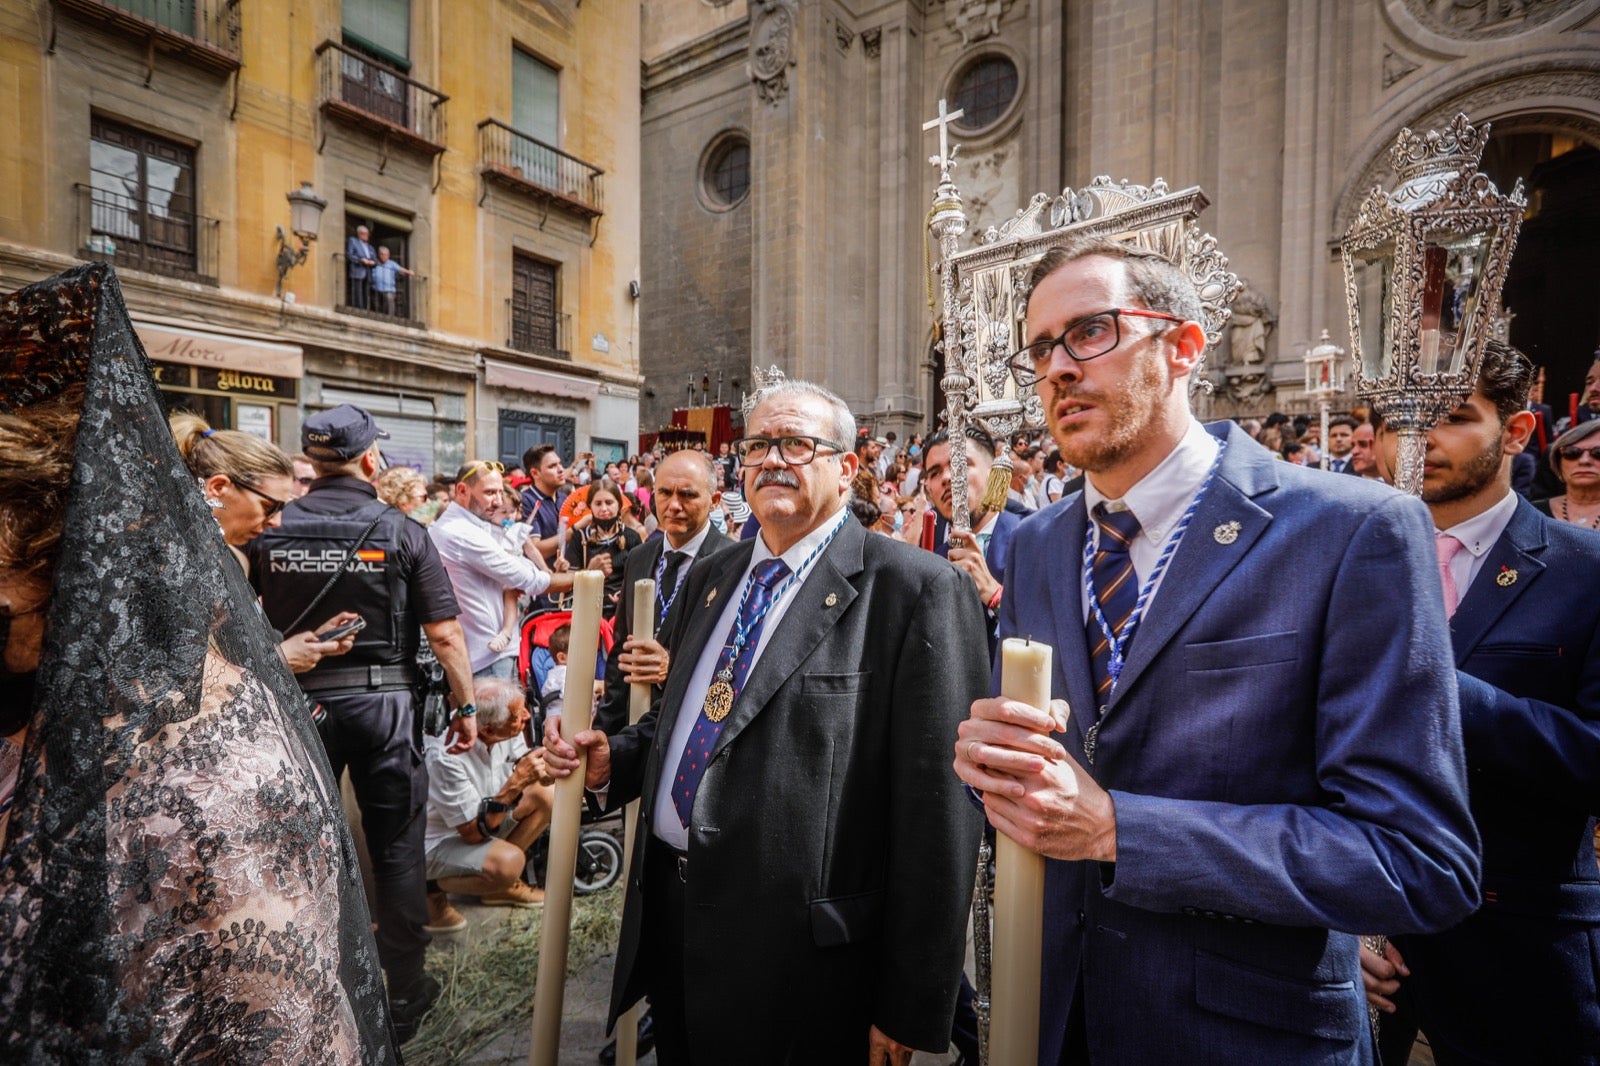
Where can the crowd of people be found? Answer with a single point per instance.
(1407, 747)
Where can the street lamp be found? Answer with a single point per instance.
(1325, 370)
(305, 220)
(1424, 265)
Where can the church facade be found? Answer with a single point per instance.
(786, 184)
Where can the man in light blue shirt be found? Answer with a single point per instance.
(384, 274)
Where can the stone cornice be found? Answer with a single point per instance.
(716, 49)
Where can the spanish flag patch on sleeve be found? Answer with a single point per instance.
(370, 555)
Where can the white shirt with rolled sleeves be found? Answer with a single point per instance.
(481, 569)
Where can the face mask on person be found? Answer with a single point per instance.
(899, 521)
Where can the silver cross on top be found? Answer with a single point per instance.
(946, 157)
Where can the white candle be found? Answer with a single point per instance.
(644, 628)
(1018, 889)
(577, 707)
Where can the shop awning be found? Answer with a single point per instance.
(527, 379)
(176, 344)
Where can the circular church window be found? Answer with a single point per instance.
(727, 172)
(984, 91)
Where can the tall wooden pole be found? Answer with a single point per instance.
(577, 714)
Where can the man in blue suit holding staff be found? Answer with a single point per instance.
(1516, 982)
(1263, 752)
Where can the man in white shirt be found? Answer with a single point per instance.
(806, 866)
(1228, 780)
(481, 569)
(486, 805)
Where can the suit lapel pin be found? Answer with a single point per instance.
(1506, 577)
(711, 596)
(833, 598)
(1226, 533)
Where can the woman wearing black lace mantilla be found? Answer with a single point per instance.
(176, 880)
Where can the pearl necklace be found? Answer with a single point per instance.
(1591, 523)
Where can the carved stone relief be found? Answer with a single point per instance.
(975, 20)
(1246, 372)
(1395, 66)
(771, 48)
(872, 42)
(990, 185)
(1477, 19)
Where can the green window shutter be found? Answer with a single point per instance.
(535, 98)
(383, 26)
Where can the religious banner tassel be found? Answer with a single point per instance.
(994, 493)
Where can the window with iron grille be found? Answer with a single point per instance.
(142, 196)
(533, 304)
(984, 91)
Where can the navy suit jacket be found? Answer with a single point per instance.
(1284, 755)
(1520, 980)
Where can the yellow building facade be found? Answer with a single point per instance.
(472, 275)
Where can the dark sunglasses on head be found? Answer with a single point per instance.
(274, 505)
(1574, 452)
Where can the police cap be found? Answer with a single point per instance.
(339, 433)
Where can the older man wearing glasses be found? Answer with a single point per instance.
(807, 858)
(482, 569)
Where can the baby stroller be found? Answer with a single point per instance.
(599, 850)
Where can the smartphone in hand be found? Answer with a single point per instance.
(340, 632)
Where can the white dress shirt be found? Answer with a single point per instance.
(1158, 501)
(480, 570)
(665, 823)
(1477, 535)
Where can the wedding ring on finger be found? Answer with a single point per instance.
(971, 744)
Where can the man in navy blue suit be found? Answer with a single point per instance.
(1516, 982)
(1262, 755)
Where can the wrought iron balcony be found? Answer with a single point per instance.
(539, 333)
(363, 90)
(358, 296)
(146, 235)
(202, 32)
(529, 166)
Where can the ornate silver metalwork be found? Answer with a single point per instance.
(1424, 264)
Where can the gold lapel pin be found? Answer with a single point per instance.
(711, 596)
(1506, 577)
(833, 598)
(1226, 533)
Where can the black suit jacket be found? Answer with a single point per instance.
(832, 848)
(1517, 981)
(612, 714)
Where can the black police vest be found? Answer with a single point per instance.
(299, 557)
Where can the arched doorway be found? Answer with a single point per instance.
(1553, 288)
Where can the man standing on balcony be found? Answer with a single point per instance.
(359, 259)
(384, 274)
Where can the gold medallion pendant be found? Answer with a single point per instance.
(719, 701)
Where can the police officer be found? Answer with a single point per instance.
(341, 548)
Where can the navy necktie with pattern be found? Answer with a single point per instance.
(1116, 587)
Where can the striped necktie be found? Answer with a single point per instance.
(1115, 585)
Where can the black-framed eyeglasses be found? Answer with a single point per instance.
(274, 505)
(1088, 338)
(794, 450)
(1574, 452)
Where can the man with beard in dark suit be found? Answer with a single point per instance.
(801, 887)
(1516, 981)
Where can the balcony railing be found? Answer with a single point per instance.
(363, 90)
(203, 32)
(146, 235)
(530, 166)
(546, 335)
(358, 296)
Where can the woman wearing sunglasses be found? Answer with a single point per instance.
(1575, 456)
(246, 482)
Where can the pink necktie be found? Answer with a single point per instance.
(1447, 546)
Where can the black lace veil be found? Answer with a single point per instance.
(177, 882)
